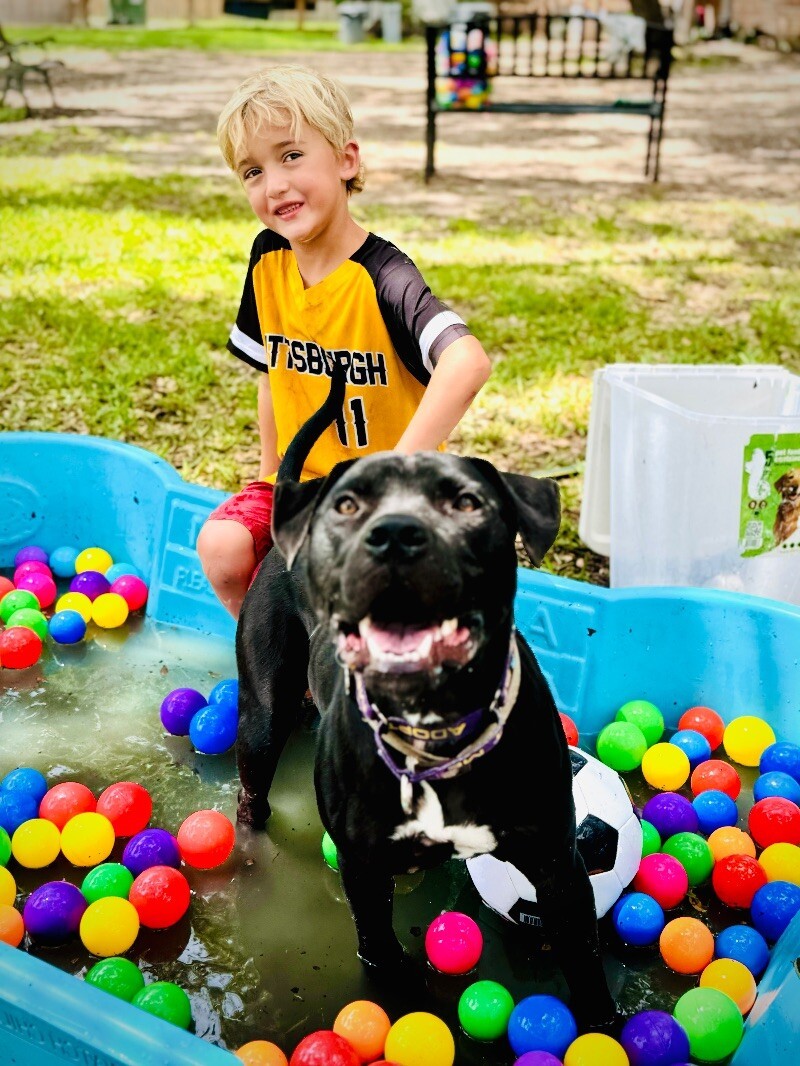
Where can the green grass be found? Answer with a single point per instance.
(118, 291)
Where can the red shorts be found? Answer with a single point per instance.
(251, 508)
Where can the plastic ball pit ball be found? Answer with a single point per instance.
(638, 919)
(206, 839)
(666, 767)
(670, 814)
(781, 756)
(773, 907)
(736, 879)
(109, 926)
(225, 691)
(91, 583)
(62, 561)
(781, 862)
(16, 808)
(537, 1058)
(593, 1048)
(8, 887)
(324, 1048)
(120, 977)
(151, 847)
(36, 843)
(646, 716)
(161, 896)
(213, 729)
(774, 821)
(686, 945)
(775, 783)
(167, 1001)
(693, 744)
(570, 730)
(706, 721)
(75, 601)
(132, 589)
(41, 585)
(127, 806)
(541, 1023)
(261, 1053)
(19, 648)
(25, 779)
(178, 708)
(64, 800)
(329, 852)
(53, 912)
(712, 1022)
(96, 559)
(107, 879)
(120, 569)
(663, 878)
(453, 943)
(651, 839)
(365, 1026)
(694, 855)
(67, 627)
(30, 568)
(654, 1038)
(744, 944)
(30, 618)
(484, 1009)
(418, 1039)
(12, 927)
(730, 840)
(109, 611)
(718, 775)
(621, 745)
(5, 847)
(16, 601)
(30, 553)
(746, 739)
(732, 978)
(6, 586)
(87, 839)
(715, 809)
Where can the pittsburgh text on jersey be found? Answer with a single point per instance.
(306, 357)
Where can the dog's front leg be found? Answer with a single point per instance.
(370, 893)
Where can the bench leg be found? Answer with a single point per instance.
(430, 140)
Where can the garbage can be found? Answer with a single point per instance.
(391, 22)
(127, 12)
(352, 17)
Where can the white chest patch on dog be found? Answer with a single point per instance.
(427, 822)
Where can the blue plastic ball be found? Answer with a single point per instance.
(541, 1023)
(638, 919)
(654, 1038)
(746, 945)
(213, 729)
(120, 569)
(776, 783)
(25, 779)
(62, 561)
(773, 907)
(781, 756)
(715, 809)
(693, 744)
(225, 691)
(16, 808)
(67, 627)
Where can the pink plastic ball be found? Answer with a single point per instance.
(453, 943)
(663, 878)
(32, 567)
(132, 589)
(41, 585)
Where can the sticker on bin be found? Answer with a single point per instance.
(770, 516)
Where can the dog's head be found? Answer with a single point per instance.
(410, 560)
(788, 485)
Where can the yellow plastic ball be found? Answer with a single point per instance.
(665, 766)
(592, 1049)
(746, 738)
(109, 611)
(93, 559)
(8, 888)
(781, 862)
(420, 1039)
(36, 843)
(87, 839)
(76, 601)
(261, 1053)
(732, 978)
(109, 926)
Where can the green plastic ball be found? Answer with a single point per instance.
(166, 1000)
(329, 852)
(712, 1022)
(621, 745)
(5, 847)
(17, 601)
(121, 977)
(651, 841)
(30, 618)
(484, 1010)
(107, 879)
(647, 716)
(694, 855)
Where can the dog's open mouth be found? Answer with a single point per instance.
(404, 648)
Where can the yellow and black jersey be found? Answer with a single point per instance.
(374, 314)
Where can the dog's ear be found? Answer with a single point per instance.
(293, 508)
(782, 484)
(537, 503)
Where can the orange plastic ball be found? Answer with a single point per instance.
(687, 946)
(734, 979)
(728, 840)
(365, 1026)
(261, 1053)
(12, 928)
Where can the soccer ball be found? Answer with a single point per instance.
(609, 840)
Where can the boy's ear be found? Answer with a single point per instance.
(293, 508)
(351, 161)
(536, 504)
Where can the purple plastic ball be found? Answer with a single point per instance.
(53, 912)
(91, 583)
(151, 847)
(654, 1038)
(30, 554)
(670, 814)
(179, 708)
(538, 1058)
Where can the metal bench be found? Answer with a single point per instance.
(18, 67)
(539, 48)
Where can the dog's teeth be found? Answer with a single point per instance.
(448, 626)
(364, 626)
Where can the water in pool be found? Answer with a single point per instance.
(267, 949)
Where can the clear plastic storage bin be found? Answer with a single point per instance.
(693, 477)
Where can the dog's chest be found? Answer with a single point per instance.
(428, 826)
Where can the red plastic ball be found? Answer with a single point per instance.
(774, 820)
(161, 896)
(704, 720)
(64, 801)
(736, 879)
(132, 589)
(127, 806)
(20, 648)
(570, 729)
(324, 1048)
(716, 774)
(5, 586)
(206, 839)
(663, 878)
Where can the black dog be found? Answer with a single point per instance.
(439, 736)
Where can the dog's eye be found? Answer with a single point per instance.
(466, 501)
(346, 505)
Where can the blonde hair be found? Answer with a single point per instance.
(294, 93)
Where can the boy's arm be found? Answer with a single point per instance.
(459, 374)
(267, 429)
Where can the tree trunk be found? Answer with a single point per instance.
(649, 10)
(300, 8)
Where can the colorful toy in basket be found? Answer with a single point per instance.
(465, 61)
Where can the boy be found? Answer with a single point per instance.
(319, 288)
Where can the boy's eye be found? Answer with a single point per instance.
(251, 173)
(291, 156)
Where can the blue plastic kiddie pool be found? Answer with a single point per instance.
(679, 646)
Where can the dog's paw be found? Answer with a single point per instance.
(609, 1023)
(252, 814)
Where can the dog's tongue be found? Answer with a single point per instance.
(399, 640)
(388, 647)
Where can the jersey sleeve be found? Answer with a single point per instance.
(246, 340)
(420, 325)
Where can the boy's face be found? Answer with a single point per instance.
(296, 186)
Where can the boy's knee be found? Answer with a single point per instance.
(227, 553)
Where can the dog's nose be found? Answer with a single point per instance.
(399, 537)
